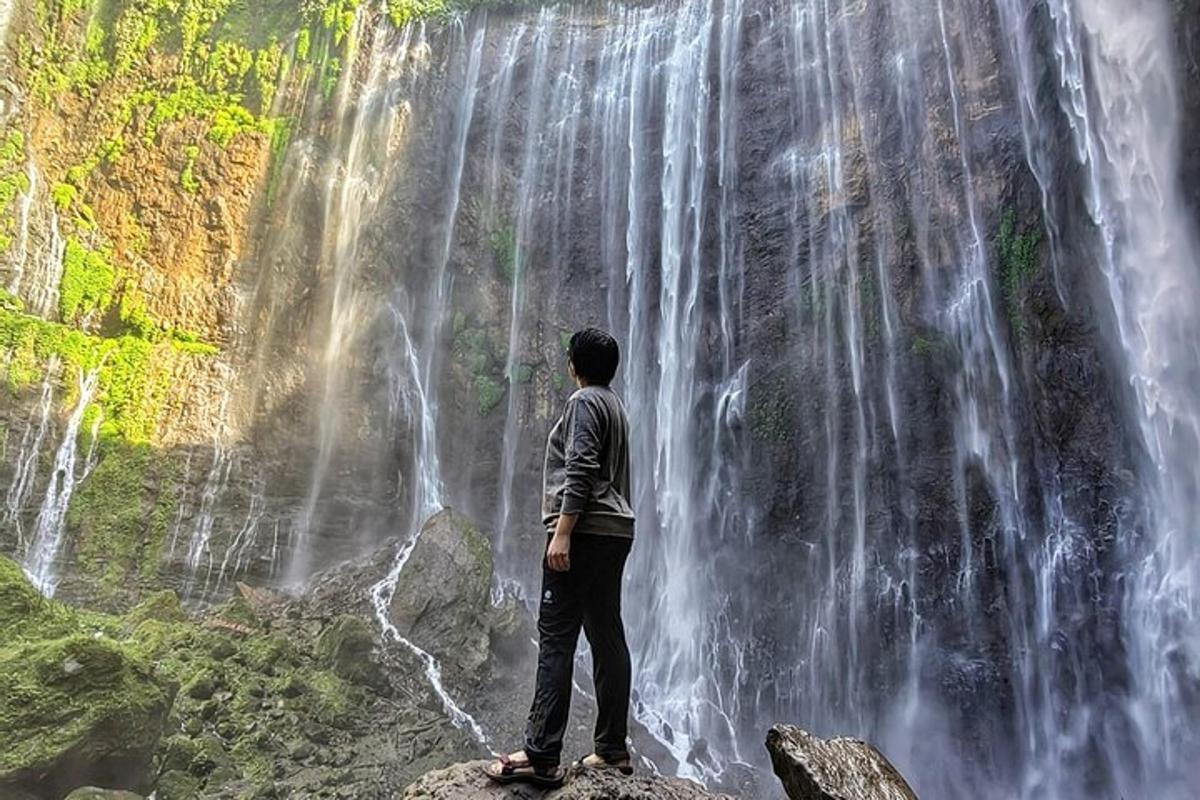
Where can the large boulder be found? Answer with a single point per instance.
(443, 596)
(77, 708)
(833, 769)
(467, 782)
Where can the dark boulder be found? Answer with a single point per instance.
(443, 597)
(833, 769)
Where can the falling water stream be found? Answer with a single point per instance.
(857, 508)
(633, 137)
(41, 561)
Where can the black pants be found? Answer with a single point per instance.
(588, 595)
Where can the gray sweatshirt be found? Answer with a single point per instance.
(587, 465)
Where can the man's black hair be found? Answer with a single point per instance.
(594, 355)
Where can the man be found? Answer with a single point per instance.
(589, 524)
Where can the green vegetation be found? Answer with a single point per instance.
(122, 514)
(1017, 264)
(13, 182)
(83, 686)
(484, 362)
(929, 346)
(134, 373)
(187, 178)
(67, 686)
(87, 282)
(770, 410)
(504, 248)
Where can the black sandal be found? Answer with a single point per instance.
(517, 772)
(623, 766)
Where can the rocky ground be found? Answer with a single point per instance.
(272, 696)
(467, 782)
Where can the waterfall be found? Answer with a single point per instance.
(29, 453)
(47, 271)
(46, 543)
(24, 212)
(788, 213)
(6, 12)
(1117, 92)
(413, 405)
(367, 121)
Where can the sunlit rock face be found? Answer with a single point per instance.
(905, 293)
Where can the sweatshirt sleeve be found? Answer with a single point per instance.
(584, 442)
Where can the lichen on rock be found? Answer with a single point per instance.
(76, 706)
(833, 769)
(443, 597)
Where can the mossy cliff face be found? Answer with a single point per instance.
(141, 143)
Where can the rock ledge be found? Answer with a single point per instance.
(466, 781)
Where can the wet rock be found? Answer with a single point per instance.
(201, 687)
(467, 782)
(348, 648)
(442, 601)
(176, 785)
(833, 769)
(177, 753)
(76, 708)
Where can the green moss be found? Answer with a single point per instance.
(128, 666)
(504, 249)
(484, 362)
(490, 392)
(281, 137)
(87, 281)
(770, 410)
(331, 73)
(121, 515)
(63, 195)
(1017, 264)
(303, 44)
(65, 684)
(522, 374)
(346, 648)
(12, 151)
(923, 347)
(134, 373)
(24, 612)
(187, 178)
(161, 606)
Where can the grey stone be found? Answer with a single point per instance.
(443, 598)
(467, 782)
(95, 793)
(833, 769)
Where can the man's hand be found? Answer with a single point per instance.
(558, 553)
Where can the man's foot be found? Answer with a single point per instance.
(515, 768)
(596, 762)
